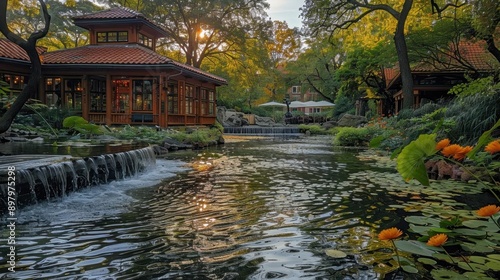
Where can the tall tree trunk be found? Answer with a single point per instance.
(29, 46)
(404, 61)
(492, 48)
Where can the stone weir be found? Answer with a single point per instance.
(42, 178)
(259, 130)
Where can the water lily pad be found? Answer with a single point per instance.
(472, 266)
(414, 247)
(486, 225)
(409, 268)
(421, 220)
(439, 274)
(476, 275)
(427, 261)
(335, 253)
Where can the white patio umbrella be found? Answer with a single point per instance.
(297, 104)
(324, 103)
(273, 103)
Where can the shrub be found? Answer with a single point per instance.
(314, 129)
(354, 136)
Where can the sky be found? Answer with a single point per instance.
(286, 10)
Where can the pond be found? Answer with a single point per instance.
(261, 209)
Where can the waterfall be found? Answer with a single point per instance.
(46, 179)
(263, 131)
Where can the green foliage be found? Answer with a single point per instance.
(354, 136)
(314, 129)
(81, 125)
(150, 135)
(483, 85)
(343, 105)
(411, 159)
(473, 114)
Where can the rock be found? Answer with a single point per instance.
(38, 139)
(221, 140)
(230, 118)
(264, 121)
(352, 120)
(329, 124)
(173, 145)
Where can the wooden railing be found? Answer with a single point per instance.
(98, 118)
(175, 119)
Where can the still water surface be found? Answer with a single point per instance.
(262, 209)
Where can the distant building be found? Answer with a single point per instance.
(118, 78)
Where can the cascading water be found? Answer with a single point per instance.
(47, 180)
(258, 130)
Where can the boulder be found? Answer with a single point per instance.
(352, 120)
(230, 118)
(329, 124)
(264, 121)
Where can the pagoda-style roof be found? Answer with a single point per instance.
(115, 56)
(470, 56)
(118, 16)
(13, 51)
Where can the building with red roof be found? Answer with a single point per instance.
(435, 76)
(118, 78)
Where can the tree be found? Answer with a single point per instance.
(486, 21)
(283, 46)
(329, 16)
(29, 45)
(316, 68)
(25, 18)
(204, 29)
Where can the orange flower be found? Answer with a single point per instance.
(451, 150)
(493, 147)
(488, 211)
(437, 240)
(391, 233)
(442, 144)
(460, 155)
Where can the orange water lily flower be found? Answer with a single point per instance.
(451, 150)
(493, 147)
(442, 144)
(437, 240)
(390, 233)
(488, 211)
(460, 155)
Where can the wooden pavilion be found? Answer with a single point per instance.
(118, 78)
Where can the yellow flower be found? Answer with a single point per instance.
(442, 144)
(391, 233)
(493, 147)
(437, 240)
(451, 150)
(460, 155)
(488, 211)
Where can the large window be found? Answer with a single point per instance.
(204, 102)
(53, 92)
(189, 99)
(112, 36)
(73, 94)
(121, 93)
(211, 103)
(97, 95)
(145, 40)
(173, 98)
(14, 83)
(142, 91)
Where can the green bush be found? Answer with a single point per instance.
(314, 129)
(354, 136)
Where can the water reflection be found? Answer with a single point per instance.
(255, 210)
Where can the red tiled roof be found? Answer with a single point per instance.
(105, 54)
(8, 49)
(123, 54)
(470, 55)
(117, 14)
(113, 13)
